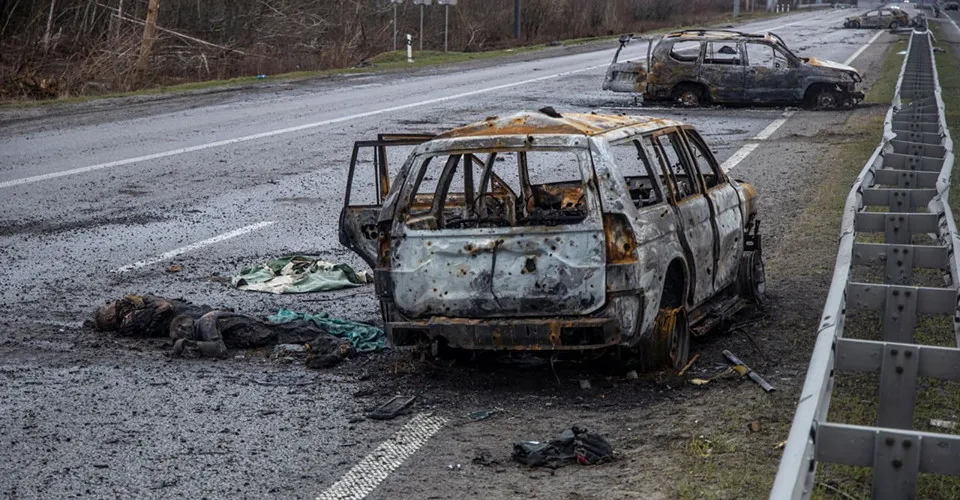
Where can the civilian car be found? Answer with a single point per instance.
(885, 17)
(546, 232)
(703, 66)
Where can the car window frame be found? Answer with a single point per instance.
(693, 137)
(691, 172)
(640, 142)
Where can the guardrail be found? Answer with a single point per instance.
(899, 198)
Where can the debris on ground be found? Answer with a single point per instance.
(364, 337)
(484, 458)
(745, 370)
(689, 364)
(575, 444)
(392, 408)
(299, 274)
(943, 424)
(202, 331)
(483, 414)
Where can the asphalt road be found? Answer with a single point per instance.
(94, 195)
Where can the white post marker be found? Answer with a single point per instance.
(409, 48)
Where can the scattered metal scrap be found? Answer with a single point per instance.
(575, 444)
(540, 231)
(745, 370)
(694, 67)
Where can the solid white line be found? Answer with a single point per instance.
(861, 49)
(765, 134)
(738, 157)
(298, 128)
(195, 246)
(774, 125)
(364, 477)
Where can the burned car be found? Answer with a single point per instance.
(547, 232)
(885, 17)
(701, 66)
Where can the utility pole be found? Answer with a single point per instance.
(149, 36)
(516, 19)
(420, 34)
(736, 8)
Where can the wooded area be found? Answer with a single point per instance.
(51, 48)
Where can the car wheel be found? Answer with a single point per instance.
(826, 99)
(668, 348)
(689, 96)
(752, 278)
(894, 25)
(856, 25)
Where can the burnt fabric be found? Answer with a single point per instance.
(575, 444)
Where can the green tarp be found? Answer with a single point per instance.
(299, 274)
(364, 337)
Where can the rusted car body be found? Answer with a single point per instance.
(538, 231)
(883, 18)
(698, 66)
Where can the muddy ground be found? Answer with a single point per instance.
(86, 414)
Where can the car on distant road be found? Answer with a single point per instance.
(885, 17)
(540, 231)
(951, 6)
(694, 67)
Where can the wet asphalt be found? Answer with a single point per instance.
(135, 423)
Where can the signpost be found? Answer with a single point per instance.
(446, 20)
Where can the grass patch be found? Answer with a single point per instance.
(854, 398)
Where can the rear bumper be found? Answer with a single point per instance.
(520, 334)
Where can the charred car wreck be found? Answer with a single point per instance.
(717, 66)
(541, 231)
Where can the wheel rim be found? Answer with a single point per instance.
(669, 346)
(689, 98)
(759, 279)
(826, 100)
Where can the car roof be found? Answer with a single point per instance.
(549, 122)
(719, 35)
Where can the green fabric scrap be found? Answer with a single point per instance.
(364, 337)
(299, 274)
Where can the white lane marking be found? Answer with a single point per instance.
(195, 246)
(738, 157)
(765, 134)
(861, 49)
(287, 130)
(774, 125)
(364, 477)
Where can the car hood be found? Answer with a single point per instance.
(823, 63)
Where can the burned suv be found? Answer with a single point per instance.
(694, 67)
(886, 17)
(546, 232)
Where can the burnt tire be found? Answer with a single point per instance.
(688, 95)
(855, 25)
(825, 99)
(894, 25)
(752, 278)
(668, 347)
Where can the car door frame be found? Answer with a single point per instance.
(728, 213)
(358, 226)
(701, 286)
(723, 79)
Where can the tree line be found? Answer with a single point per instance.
(52, 48)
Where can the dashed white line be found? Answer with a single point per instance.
(195, 246)
(287, 130)
(861, 49)
(765, 134)
(364, 477)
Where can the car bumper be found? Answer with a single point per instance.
(563, 334)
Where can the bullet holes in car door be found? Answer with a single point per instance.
(695, 213)
(638, 173)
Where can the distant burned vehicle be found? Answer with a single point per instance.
(548, 232)
(883, 18)
(700, 66)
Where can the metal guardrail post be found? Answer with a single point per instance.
(909, 170)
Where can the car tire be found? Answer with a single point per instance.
(826, 99)
(894, 25)
(668, 347)
(751, 277)
(856, 25)
(688, 96)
